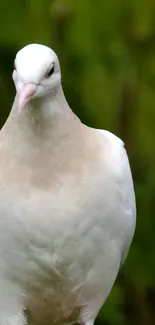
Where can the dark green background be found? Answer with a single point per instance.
(107, 54)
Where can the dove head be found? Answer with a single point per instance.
(36, 73)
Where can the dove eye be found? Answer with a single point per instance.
(50, 72)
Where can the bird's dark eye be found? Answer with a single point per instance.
(50, 72)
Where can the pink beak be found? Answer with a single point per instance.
(25, 94)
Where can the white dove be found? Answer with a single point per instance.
(67, 204)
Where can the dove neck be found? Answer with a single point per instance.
(41, 117)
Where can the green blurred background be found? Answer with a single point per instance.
(107, 54)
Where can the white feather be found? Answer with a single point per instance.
(67, 208)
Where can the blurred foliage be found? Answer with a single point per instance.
(107, 54)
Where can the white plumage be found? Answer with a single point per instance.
(67, 205)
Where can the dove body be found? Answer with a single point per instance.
(67, 204)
